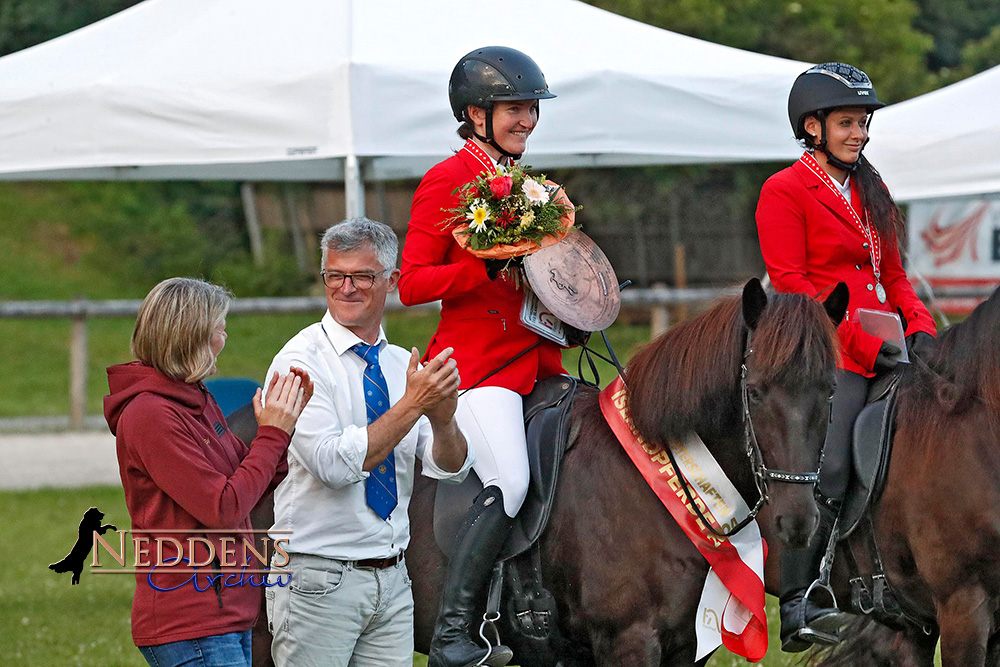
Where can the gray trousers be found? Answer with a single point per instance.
(335, 614)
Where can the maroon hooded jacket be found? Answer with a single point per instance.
(183, 469)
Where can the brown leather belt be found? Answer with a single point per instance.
(379, 563)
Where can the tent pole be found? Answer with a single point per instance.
(253, 223)
(354, 187)
(294, 228)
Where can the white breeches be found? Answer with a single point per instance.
(493, 421)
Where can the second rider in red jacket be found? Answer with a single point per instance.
(827, 219)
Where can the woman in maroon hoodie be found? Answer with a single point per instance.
(190, 484)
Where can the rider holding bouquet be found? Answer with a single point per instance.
(829, 218)
(494, 94)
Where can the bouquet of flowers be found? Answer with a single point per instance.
(511, 214)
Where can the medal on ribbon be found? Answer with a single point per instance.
(873, 245)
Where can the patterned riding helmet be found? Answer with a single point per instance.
(494, 74)
(828, 86)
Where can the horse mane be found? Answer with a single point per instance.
(964, 368)
(686, 379)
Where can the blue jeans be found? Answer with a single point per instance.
(228, 650)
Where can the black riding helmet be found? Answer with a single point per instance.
(825, 87)
(494, 74)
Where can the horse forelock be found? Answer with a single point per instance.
(670, 378)
(795, 341)
(684, 378)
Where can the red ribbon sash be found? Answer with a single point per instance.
(654, 465)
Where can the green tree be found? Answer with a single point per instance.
(24, 23)
(979, 56)
(955, 26)
(879, 37)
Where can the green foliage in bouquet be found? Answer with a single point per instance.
(508, 208)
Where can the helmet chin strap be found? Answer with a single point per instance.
(849, 167)
(489, 138)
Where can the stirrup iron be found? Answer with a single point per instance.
(492, 614)
(824, 635)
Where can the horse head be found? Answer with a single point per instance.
(789, 376)
(771, 358)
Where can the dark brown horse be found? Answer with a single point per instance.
(938, 523)
(626, 579)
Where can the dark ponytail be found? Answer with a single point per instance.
(883, 212)
(465, 130)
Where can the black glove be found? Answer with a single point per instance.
(888, 358)
(495, 266)
(575, 336)
(921, 344)
(902, 317)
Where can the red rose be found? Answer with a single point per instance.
(500, 186)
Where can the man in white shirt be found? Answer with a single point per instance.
(351, 465)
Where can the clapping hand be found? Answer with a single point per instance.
(287, 395)
(434, 388)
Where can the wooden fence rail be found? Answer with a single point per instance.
(657, 299)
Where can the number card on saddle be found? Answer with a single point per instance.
(872, 447)
(546, 422)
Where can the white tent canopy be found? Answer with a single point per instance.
(942, 144)
(258, 90)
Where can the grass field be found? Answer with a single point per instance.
(46, 622)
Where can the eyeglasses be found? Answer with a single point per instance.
(361, 281)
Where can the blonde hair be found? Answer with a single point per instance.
(175, 325)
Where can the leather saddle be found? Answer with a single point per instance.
(872, 594)
(546, 417)
(872, 450)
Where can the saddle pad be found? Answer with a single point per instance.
(872, 448)
(547, 411)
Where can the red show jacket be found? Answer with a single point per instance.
(480, 318)
(810, 242)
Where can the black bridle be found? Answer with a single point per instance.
(761, 473)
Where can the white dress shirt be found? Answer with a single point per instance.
(322, 500)
(845, 188)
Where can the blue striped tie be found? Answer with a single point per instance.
(380, 487)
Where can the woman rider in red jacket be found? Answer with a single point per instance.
(830, 218)
(494, 93)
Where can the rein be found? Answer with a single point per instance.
(502, 366)
(761, 473)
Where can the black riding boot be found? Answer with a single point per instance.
(476, 547)
(805, 622)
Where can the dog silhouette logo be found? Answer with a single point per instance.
(74, 560)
